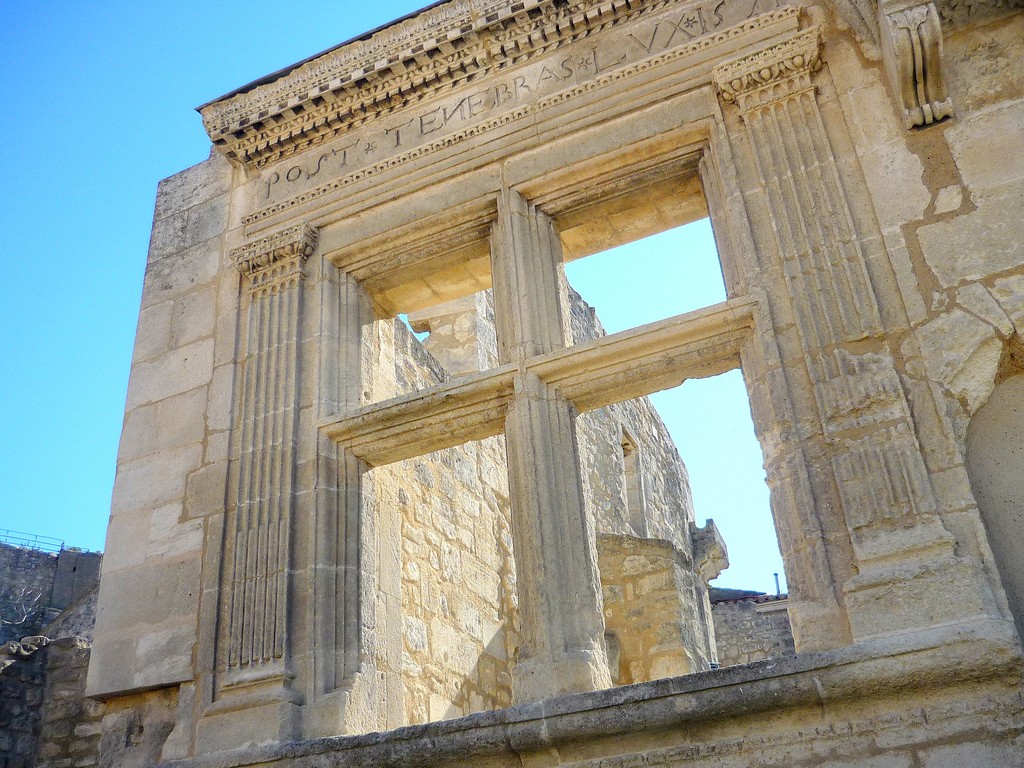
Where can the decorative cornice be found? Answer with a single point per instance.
(400, 65)
(277, 256)
(523, 111)
(754, 80)
(912, 47)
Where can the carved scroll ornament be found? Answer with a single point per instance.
(912, 46)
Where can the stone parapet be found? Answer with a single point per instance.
(920, 699)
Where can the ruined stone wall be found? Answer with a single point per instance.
(668, 507)
(69, 735)
(45, 719)
(649, 605)
(666, 514)
(26, 582)
(21, 697)
(874, 275)
(458, 578)
(751, 630)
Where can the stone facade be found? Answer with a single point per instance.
(289, 453)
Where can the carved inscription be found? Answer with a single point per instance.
(577, 64)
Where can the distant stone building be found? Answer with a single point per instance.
(323, 531)
(751, 627)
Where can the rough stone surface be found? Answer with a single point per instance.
(751, 629)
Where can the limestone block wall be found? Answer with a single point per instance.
(458, 577)
(174, 444)
(751, 630)
(947, 199)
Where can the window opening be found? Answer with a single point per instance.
(709, 419)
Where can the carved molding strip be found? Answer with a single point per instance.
(698, 45)
(770, 74)
(276, 257)
(912, 46)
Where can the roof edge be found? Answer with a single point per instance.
(290, 68)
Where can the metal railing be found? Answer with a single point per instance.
(30, 540)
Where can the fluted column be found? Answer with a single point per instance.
(253, 657)
(884, 489)
(562, 648)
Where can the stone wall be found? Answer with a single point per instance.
(26, 583)
(667, 506)
(649, 605)
(458, 582)
(875, 281)
(21, 697)
(752, 629)
(45, 719)
(69, 735)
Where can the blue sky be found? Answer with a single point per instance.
(100, 101)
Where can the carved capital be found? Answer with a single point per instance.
(276, 257)
(772, 74)
(911, 37)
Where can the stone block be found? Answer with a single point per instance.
(111, 668)
(974, 245)
(164, 656)
(203, 181)
(181, 272)
(173, 423)
(896, 203)
(171, 536)
(179, 371)
(962, 352)
(155, 480)
(988, 165)
(122, 548)
(205, 490)
(1008, 754)
(153, 333)
(148, 594)
(193, 317)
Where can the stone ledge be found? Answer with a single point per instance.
(942, 657)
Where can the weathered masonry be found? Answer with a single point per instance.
(301, 482)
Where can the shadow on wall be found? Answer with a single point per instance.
(995, 464)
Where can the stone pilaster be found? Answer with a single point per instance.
(556, 561)
(884, 489)
(357, 657)
(529, 299)
(253, 654)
